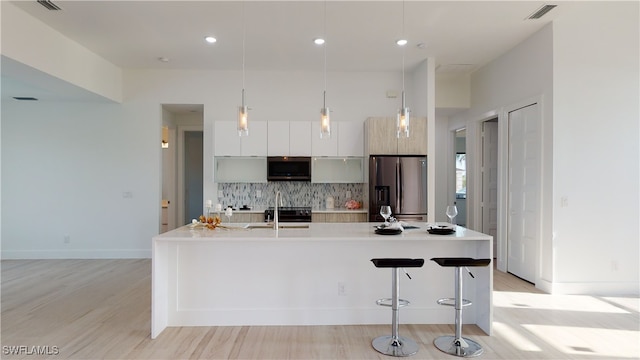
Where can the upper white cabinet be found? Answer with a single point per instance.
(350, 138)
(278, 138)
(291, 138)
(256, 143)
(228, 143)
(300, 138)
(323, 146)
(381, 138)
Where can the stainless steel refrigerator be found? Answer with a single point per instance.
(400, 182)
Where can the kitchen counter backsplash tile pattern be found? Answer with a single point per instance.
(294, 193)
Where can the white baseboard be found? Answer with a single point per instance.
(76, 254)
(591, 288)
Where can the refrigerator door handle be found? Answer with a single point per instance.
(398, 204)
(400, 187)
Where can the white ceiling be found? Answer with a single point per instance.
(361, 35)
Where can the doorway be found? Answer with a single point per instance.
(489, 168)
(193, 175)
(182, 167)
(461, 176)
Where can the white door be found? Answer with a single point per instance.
(524, 191)
(490, 181)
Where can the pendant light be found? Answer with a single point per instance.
(325, 117)
(403, 118)
(243, 110)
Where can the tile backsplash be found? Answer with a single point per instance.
(295, 193)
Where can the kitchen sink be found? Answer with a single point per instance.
(281, 226)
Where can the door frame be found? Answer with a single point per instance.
(180, 175)
(474, 175)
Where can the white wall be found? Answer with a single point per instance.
(596, 150)
(67, 169)
(589, 92)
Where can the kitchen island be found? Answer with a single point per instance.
(320, 275)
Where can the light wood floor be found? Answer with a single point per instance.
(101, 309)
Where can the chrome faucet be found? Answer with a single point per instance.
(275, 211)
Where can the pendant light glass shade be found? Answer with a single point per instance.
(325, 123)
(243, 118)
(403, 120)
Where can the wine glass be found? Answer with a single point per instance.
(452, 211)
(228, 212)
(385, 211)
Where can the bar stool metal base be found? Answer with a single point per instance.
(399, 346)
(462, 347)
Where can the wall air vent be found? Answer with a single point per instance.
(49, 5)
(540, 12)
(25, 98)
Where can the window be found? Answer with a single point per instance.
(461, 176)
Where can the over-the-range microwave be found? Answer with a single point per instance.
(288, 168)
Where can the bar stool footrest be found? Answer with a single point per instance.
(389, 302)
(452, 302)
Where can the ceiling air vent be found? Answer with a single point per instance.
(540, 12)
(25, 98)
(49, 5)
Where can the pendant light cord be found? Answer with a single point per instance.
(403, 52)
(243, 50)
(324, 100)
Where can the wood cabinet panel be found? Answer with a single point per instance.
(338, 217)
(382, 137)
(242, 217)
(416, 144)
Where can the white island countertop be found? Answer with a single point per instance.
(314, 232)
(320, 275)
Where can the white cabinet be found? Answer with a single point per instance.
(228, 143)
(337, 170)
(350, 138)
(237, 169)
(300, 138)
(324, 146)
(256, 143)
(278, 138)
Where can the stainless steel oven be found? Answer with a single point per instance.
(289, 214)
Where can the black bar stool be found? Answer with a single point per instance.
(395, 345)
(458, 345)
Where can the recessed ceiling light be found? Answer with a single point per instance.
(402, 42)
(163, 59)
(210, 39)
(318, 41)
